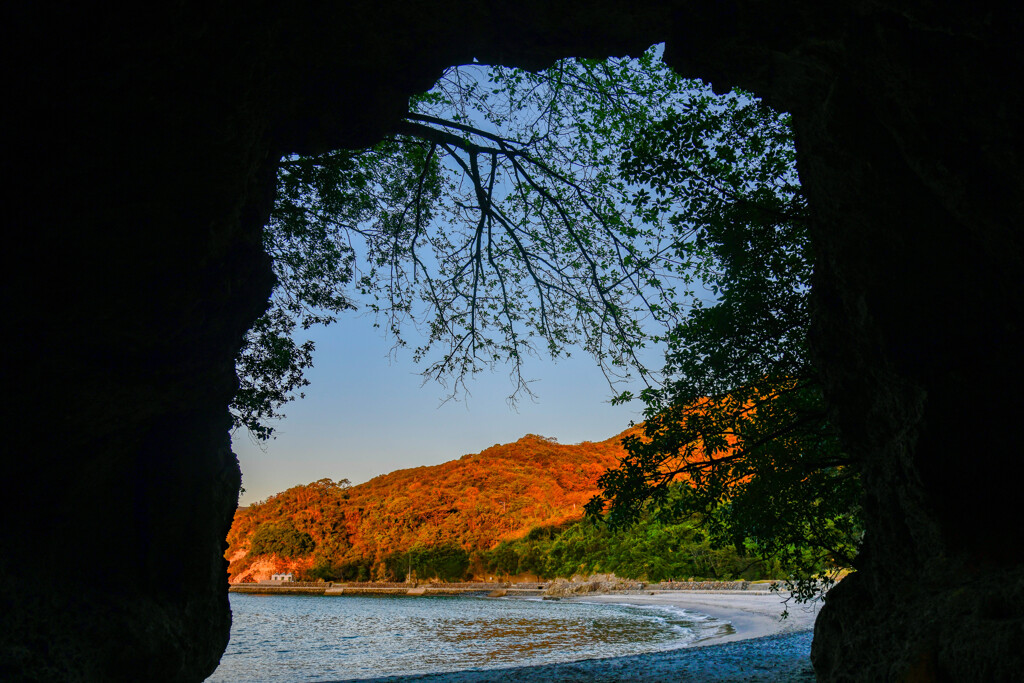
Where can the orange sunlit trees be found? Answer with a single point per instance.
(431, 518)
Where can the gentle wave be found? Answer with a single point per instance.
(315, 638)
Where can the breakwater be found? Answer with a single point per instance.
(494, 589)
(383, 588)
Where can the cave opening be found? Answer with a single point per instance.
(146, 148)
(654, 96)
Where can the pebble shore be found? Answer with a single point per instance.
(782, 658)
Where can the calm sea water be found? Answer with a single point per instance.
(317, 638)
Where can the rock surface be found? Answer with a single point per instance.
(142, 147)
(598, 583)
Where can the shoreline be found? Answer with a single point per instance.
(762, 647)
(781, 658)
(752, 615)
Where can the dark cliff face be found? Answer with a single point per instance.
(142, 151)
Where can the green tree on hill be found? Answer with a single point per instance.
(443, 562)
(280, 540)
(649, 550)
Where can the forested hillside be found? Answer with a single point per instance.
(448, 515)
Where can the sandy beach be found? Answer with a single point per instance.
(752, 614)
(761, 646)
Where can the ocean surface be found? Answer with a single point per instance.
(319, 638)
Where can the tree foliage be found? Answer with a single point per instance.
(442, 562)
(649, 550)
(739, 433)
(494, 221)
(280, 540)
(513, 509)
(323, 203)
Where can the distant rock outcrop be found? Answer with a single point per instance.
(598, 583)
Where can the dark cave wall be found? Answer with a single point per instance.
(144, 149)
(908, 134)
(917, 328)
(918, 331)
(133, 268)
(142, 146)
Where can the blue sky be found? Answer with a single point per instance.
(366, 415)
(368, 412)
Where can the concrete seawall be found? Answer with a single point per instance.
(335, 589)
(558, 589)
